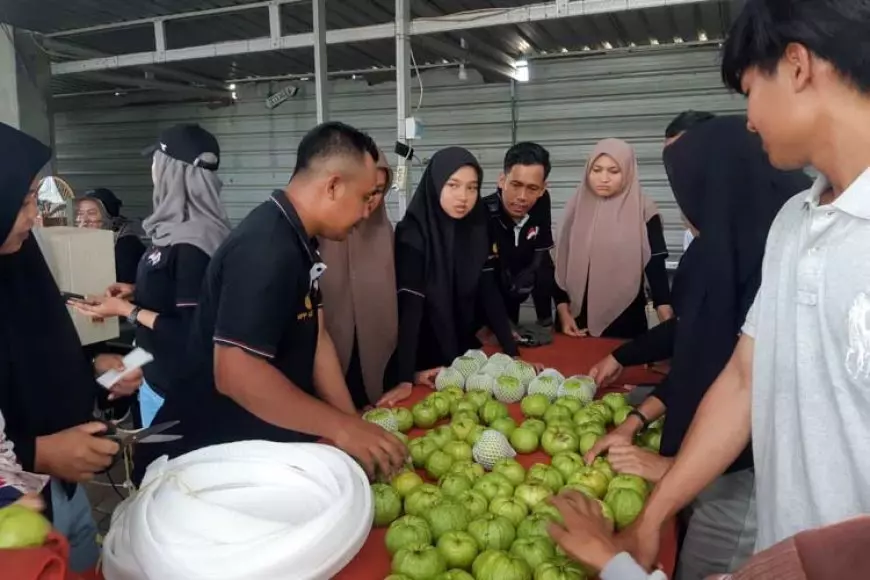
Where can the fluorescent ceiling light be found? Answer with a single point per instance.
(521, 71)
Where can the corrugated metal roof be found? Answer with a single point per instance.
(681, 23)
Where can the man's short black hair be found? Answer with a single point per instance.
(685, 121)
(331, 139)
(527, 153)
(833, 30)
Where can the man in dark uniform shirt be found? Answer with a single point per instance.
(520, 224)
(264, 365)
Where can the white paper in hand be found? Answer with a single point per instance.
(137, 358)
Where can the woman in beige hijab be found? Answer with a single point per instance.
(359, 297)
(611, 242)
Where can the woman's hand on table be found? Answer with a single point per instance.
(606, 371)
(427, 377)
(636, 461)
(619, 437)
(379, 451)
(585, 535)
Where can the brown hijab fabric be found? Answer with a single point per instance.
(359, 294)
(602, 245)
(835, 552)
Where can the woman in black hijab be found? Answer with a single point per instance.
(445, 273)
(729, 193)
(47, 386)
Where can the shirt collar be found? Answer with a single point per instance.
(279, 198)
(855, 200)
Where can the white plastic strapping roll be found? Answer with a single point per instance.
(252, 510)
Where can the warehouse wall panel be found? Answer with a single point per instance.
(567, 106)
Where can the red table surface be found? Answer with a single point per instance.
(570, 356)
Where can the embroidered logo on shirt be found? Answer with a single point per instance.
(154, 257)
(532, 234)
(858, 355)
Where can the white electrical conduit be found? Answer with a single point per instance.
(251, 510)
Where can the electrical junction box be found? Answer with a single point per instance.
(413, 128)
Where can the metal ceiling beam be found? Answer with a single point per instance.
(450, 50)
(119, 80)
(449, 23)
(168, 17)
(77, 51)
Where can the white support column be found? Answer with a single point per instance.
(321, 80)
(403, 96)
(275, 24)
(159, 39)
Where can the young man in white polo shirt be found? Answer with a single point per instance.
(799, 380)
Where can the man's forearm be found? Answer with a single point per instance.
(328, 377)
(263, 391)
(718, 434)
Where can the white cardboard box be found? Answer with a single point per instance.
(82, 261)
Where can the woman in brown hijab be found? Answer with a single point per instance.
(611, 241)
(359, 297)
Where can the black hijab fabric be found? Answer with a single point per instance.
(455, 250)
(726, 187)
(46, 383)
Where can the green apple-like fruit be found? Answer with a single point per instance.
(532, 494)
(459, 549)
(493, 485)
(534, 526)
(421, 499)
(492, 410)
(438, 464)
(404, 418)
(441, 435)
(571, 403)
(536, 425)
(534, 551)
(420, 449)
(405, 482)
(388, 504)
(556, 412)
(475, 503)
(22, 527)
(620, 415)
(504, 425)
(458, 450)
(535, 405)
(587, 441)
(455, 574)
(548, 510)
(524, 440)
(419, 562)
(407, 531)
(615, 401)
(596, 428)
(558, 440)
(461, 405)
(492, 532)
(469, 469)
(425, 414)
(453, 484)
(501, 566)
(478, 398)
(475, 434)
(511, 470)
(567, 463)
(453, 393)
(546, 475)
(441, 401)
(512, 508)
(446, 516)
(462, 426)
(591, 478)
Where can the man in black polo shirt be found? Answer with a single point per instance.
(264, 365)
(520, 224)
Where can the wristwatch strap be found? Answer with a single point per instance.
(133, 317)
(640, 416)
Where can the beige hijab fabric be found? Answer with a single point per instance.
(603, 241)
(359, 294)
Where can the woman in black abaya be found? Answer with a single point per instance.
(729, 193)
(445, 274)
(47, 386)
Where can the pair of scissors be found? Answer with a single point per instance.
(152, 434)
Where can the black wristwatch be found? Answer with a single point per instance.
(133, 317)
(645, 422)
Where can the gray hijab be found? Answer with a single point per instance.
(187, 206)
